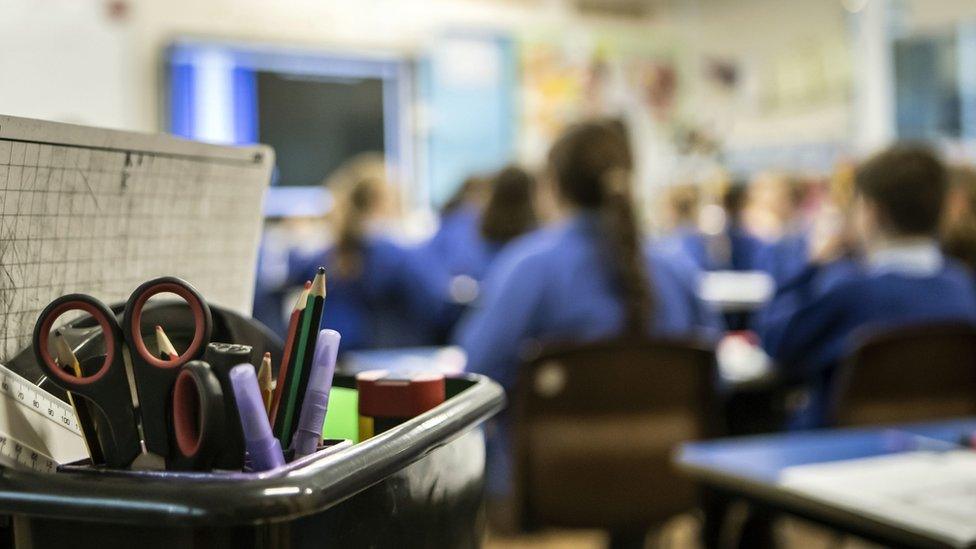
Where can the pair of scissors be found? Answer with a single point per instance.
(177, 425)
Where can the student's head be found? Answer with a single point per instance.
(960, 207)
(683, 205)
(511, 207)
(958, 228)
(590, 165)
(775, 202)
(473, 191)
(734, 201)
(589, 162)
(363, 197)
(899, 194)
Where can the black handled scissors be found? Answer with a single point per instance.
(108, 388)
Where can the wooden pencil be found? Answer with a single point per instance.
(298, 374)
(264, 381)
(288, 354)
(67, 360)
(164, 345)
(286, 406)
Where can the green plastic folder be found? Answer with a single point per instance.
(342, 417)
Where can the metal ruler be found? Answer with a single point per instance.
(38, 431)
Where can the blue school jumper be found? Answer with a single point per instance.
(396, 299)
(732, 250)
(552, 285)
(807, 326)
(458, 245)
(786, 258)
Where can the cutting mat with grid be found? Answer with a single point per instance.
(100, 211)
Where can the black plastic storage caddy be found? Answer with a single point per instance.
(417, 485)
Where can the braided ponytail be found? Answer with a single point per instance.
(591, 163)
(619, 225)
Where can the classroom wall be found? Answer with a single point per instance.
(922, 14)
(64, 60)
(68, 60)
(112, 68)
(763, 38)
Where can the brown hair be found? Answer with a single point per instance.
(591, 163)
(472, 190)
(359, 187)
(959, 230)
(683, 201)
(908, 184)
(511, 207)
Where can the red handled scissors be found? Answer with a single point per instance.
(108, 388)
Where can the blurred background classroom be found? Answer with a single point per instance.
(415, 148)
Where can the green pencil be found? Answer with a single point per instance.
(316, 303)
(284, 422)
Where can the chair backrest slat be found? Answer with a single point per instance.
(595, 426)
(911, 373)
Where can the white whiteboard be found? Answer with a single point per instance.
(101, 211)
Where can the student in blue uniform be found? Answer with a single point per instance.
(380, 294)
(270, 287)
(587, 278)
(789, 254)
(509, 213)
(731, 248)
(902, 277)
(785, 258)
(457, 245)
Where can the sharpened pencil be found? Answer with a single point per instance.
(164, 345)
(301, 366)
(288, 355)
(67, 360)
(264, 381)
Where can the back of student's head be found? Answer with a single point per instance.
(361, 193)
(734, 200)
(473, 191)
(958, 225)
(511, 206)
(907, 187)
(683, 203)
(591, 164)
(960, 208)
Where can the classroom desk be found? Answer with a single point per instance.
(750, 396)
(751, 467)
(739, 362)
(447, 360)
(736, 291)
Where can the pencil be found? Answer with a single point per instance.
(164, 345)
(264, 381)
(293, 322)
(301, 366)
(288, 380)
(67, 360)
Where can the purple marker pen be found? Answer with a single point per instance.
(263, 448)
(309, 432)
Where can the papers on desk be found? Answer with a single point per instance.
(736, 291)
(740, 358)
(443, 360)
(933, 493)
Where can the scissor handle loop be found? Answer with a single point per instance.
(42, 333)
(198, 415)
(202, 320)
